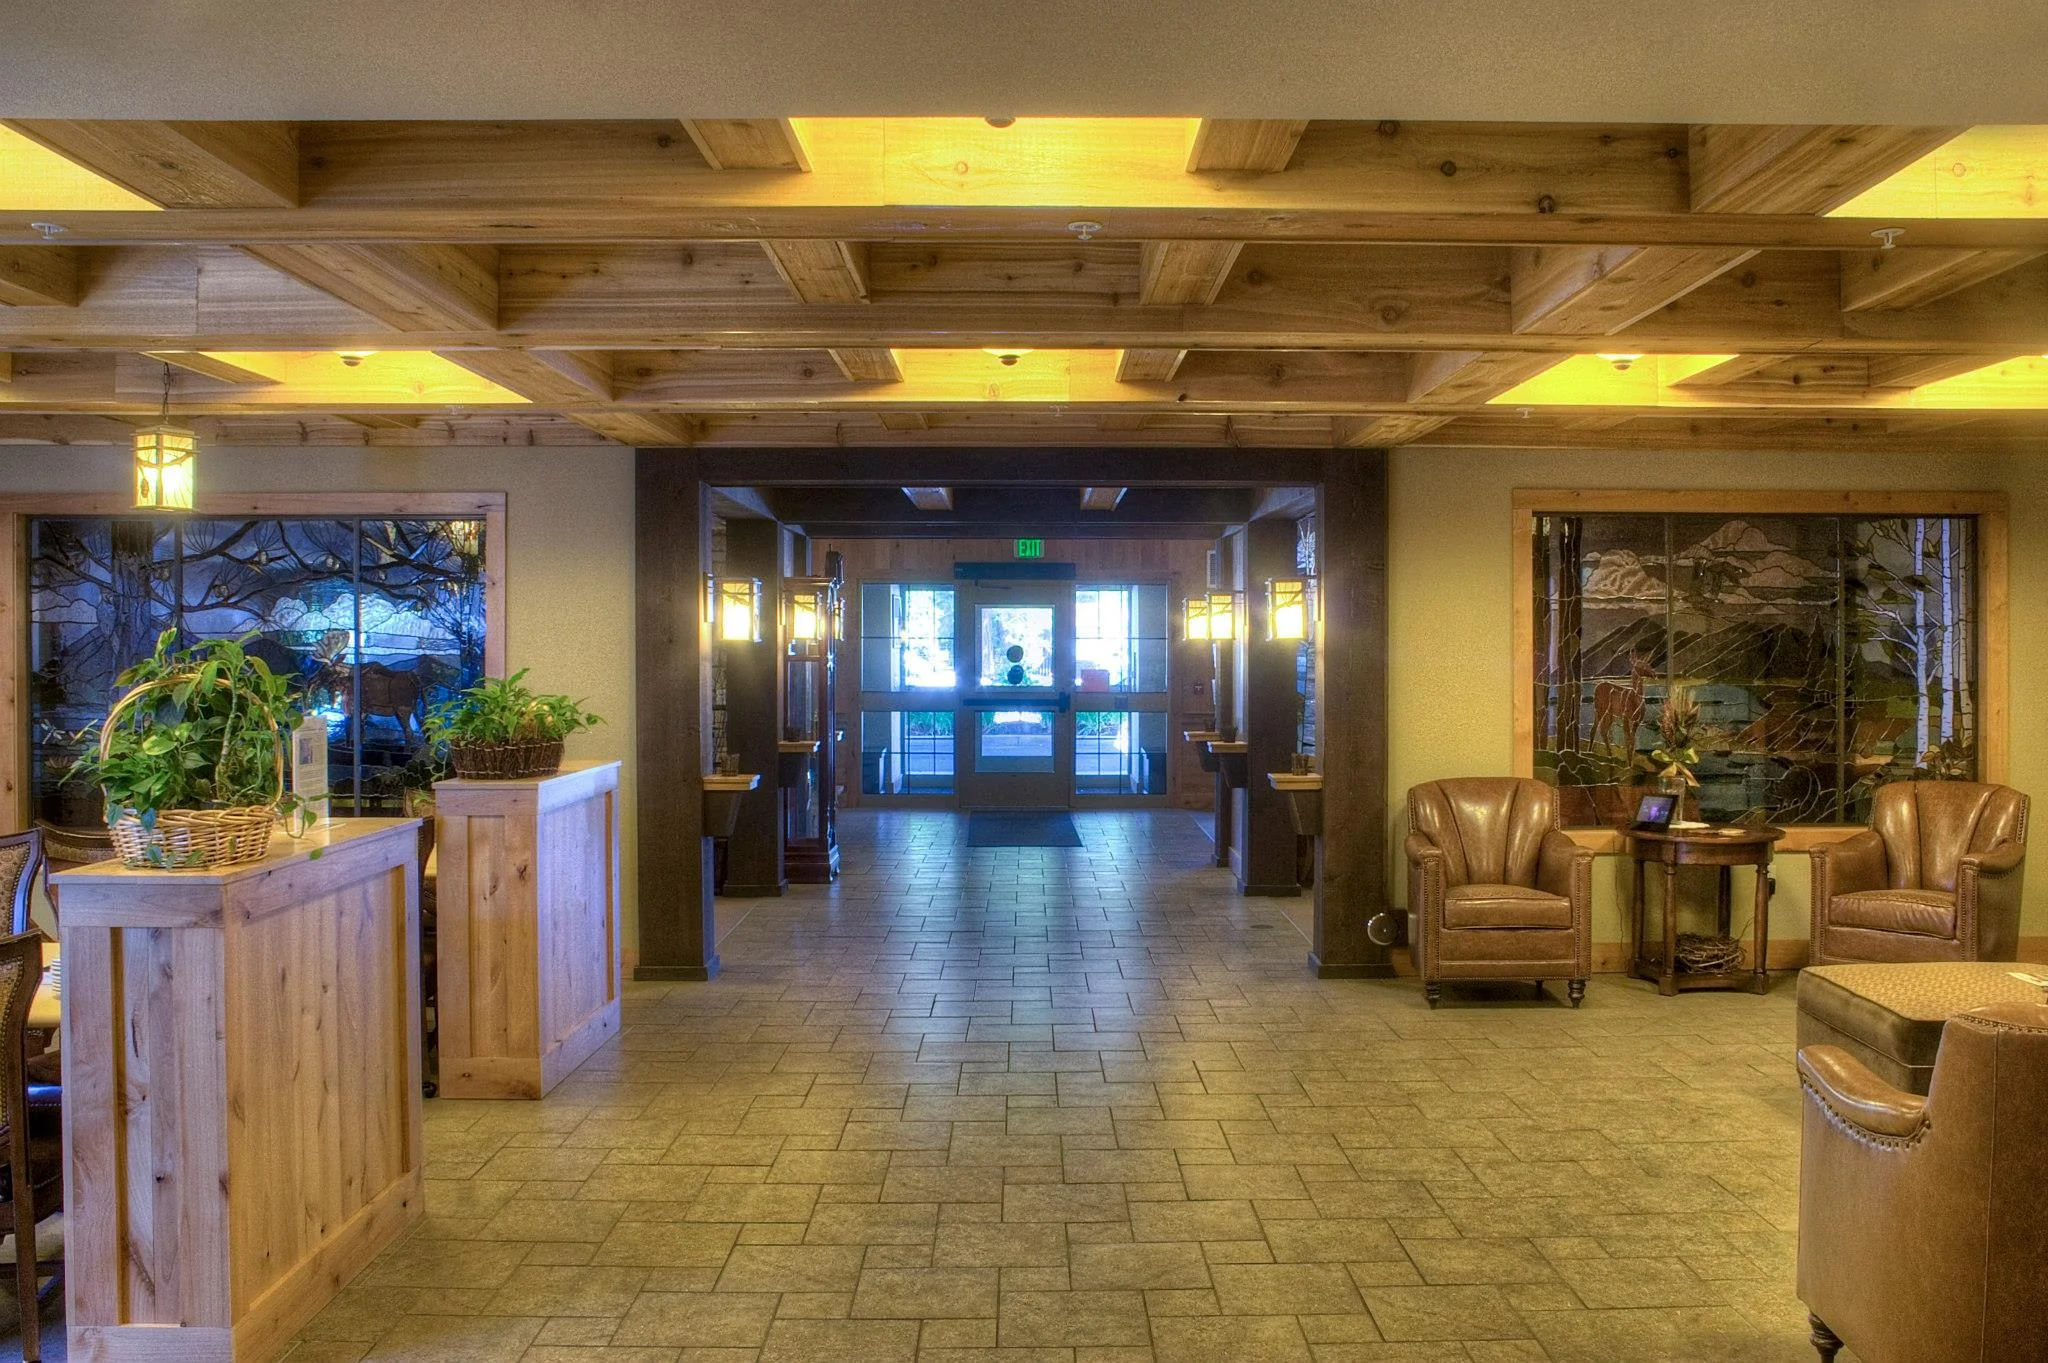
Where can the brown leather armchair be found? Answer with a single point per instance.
(1500, 891)
(1923, 1222)
(1936, 877)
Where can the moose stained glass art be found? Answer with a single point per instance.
(1827, 654)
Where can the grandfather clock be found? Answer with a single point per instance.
(811, 620)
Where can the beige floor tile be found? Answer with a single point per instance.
(1072, 1319)
(1288, 1289)
(925, 1293)
(791, 1268)
(1237, 1339)
(730, 1320)
(1434, 1313)
(1148, 1265)
(841, 1341)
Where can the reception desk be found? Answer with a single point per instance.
(241, 1091)
(528, 905)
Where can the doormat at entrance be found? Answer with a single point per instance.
(1022, 830)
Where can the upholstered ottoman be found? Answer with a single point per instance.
(1889, 1015)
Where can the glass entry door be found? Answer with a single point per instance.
(1014, 730)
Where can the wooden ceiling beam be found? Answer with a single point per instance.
(1732, 370)
(413, 288)
(208, 366)
(869, 364)
(1913, 371)
(1600, 290)
(1174, 272)
(1381, 432)
(822, 271)
(1468, 378)
(1509, 184)
(1281, 297)
(1244, 144)
(748, 143)
(658, 429)
(1783, 168)
(549, 377)
(179, 164)
(38, 276)
(1148, 366)
(1907, 277)
(1605, 290)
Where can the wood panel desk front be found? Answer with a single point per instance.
(242, 1091)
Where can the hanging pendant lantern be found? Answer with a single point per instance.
(166, 462)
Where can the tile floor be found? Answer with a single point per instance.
(1090, 1106)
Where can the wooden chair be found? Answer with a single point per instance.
(33, 1186)
(65, 848)
(21, 862)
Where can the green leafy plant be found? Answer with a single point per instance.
(205, 733)
(498, 711)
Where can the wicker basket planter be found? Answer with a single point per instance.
(194, 839)
(505, 761)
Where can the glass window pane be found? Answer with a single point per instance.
(906, 752)
(1016, 644)
(1013, 741)
(1120, 752)
(906, 637)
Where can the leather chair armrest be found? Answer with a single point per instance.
(1855, 864)
(1856, 1098)
(2001, 859)
(1563, 866)
(1421, 849)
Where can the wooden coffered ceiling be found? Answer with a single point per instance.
(1055, 281)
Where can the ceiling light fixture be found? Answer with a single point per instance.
(352, 358)
(1009, 355)
(166, 459)
(1084, 229)
(1622, 363)
(999, 120)
(1888, 237)
(50, 230)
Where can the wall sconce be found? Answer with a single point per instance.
(1289, 608)
(1212, 618)
(736, 610)
(808, 604)
(166, 462)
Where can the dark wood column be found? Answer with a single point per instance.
(753, 714)
(1351, 713)
(1223, 684)
(1267, 704)
(672, 696)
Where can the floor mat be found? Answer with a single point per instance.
(1022, 829)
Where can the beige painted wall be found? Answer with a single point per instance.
(1450, 562)
(568, 568)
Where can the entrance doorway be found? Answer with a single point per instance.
(1015, 720)
(1014, 686)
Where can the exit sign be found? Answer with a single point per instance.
(1030, 548)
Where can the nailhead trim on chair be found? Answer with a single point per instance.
(1860, 1134)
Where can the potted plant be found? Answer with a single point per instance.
(1680, 734)
(498, 730)
(192, 756)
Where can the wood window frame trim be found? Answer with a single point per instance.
(18, 509)
(1991, 510)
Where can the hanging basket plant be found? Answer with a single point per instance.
(499, 730)
(192, 756)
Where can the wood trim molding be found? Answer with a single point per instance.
(16, 509)
(1994, 738)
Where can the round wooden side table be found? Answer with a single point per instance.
(1724, 849)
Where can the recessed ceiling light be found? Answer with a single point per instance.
(352, 358)
(1622, 363)
(1008, 354)
(1000, 120)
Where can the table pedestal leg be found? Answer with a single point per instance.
(1725, 888)
(1667, 982)
(1763, 928)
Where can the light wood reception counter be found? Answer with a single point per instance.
(241, 1091)
(528, 904)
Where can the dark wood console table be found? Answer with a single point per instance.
(1724, 849)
